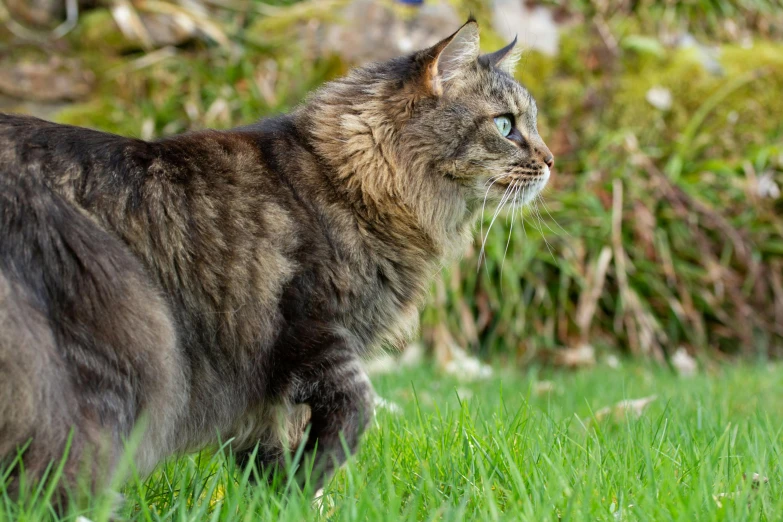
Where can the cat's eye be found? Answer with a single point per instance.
(504, 125)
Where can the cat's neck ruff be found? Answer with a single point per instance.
(354, 127)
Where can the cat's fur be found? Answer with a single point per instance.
(207, 285)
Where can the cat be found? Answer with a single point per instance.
(226, 285)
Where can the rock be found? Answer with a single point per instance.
(38, 14)
(382, 365)
(613, 362)
(535, 26)
(57, 79)
(412, 355)
(543, 387)
(631, 407)
(579, 357)
(465, 367)
(707, 56)
(390, 406)
(685, 365)
(767, 188)
(385, 32)
(659, 97)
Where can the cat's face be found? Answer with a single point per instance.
(479, 123)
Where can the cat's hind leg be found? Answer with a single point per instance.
(87, 345)
(42, 426)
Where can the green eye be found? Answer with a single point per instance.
(503, 123)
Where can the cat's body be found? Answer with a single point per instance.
(209, 284)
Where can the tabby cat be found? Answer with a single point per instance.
(225, 285)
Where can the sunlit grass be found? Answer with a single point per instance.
(500, 450)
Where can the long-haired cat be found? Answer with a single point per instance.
(208, 286)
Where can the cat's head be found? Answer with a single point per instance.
(475, 121)
(437, 133)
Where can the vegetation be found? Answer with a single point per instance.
(654, 233)
(661, 229)
(513, 448)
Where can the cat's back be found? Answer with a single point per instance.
(83, 167)
(87, 166)
(34, 148)
(224, 221)
(213, 189)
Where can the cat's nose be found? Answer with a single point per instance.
(545, 155)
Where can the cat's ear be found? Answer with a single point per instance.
(451, 56)
(505, 59)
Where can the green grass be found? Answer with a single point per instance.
(498, 450)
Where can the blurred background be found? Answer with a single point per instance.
(660, 236)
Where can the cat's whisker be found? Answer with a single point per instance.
(483, 208)
(546, 209)
(482, 255)
(511, 228)
(522, 211)
(494, 177)
(542, 221)
(502, 203)
(541, 231)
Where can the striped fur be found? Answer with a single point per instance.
(226, 284)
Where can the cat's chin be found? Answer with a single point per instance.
(538, 184)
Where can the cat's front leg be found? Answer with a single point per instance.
(341, 400)
(322, 393)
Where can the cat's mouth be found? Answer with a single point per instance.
(521, 188)
(525, 180)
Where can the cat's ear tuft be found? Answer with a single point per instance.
(505, 59)
(451, 56)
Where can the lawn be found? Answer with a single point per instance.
(660, 231)
(516, 447)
